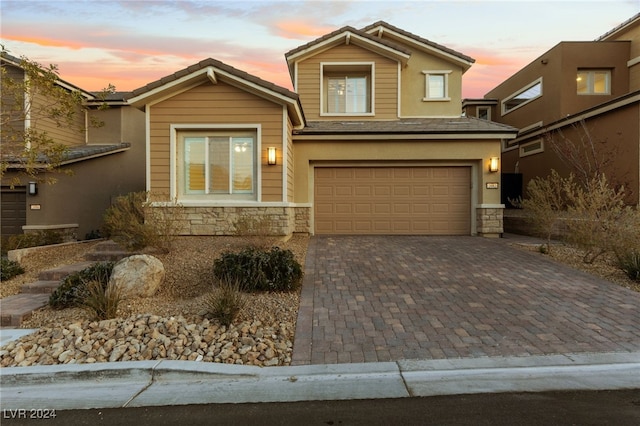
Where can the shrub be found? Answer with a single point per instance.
(72, 291)
(260, 270)
(36, 239)
(225, 302)
(132, 223)
(101, 300)
(9, 269)
(255, 231)
(629, 262)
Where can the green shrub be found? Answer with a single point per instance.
(36, 239)
(225, 302)
(72, 291)
(101, 300)
(629, 262)
(260, 270)
(9, 269)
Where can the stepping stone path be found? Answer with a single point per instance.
(19, 307)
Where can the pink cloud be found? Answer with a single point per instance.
(297, 29)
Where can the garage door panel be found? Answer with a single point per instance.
(388, 200)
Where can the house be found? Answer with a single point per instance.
(586, 93)
(371, 141)
(103, 162)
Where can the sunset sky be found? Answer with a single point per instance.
(130, 43)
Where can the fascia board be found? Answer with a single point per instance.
(158, 92)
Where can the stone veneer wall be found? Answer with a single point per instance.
(489, 221)
(220, 220)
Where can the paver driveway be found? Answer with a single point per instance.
(382, 298)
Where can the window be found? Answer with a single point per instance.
(483, 113)
(594, 82)
(522, 97)
(347, 89)
(531, 148)
(436, 85)
(217, 165)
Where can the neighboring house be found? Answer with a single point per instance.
(370, 142)
(104, 162)
(576, 90)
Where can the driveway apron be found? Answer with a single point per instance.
(384, 298)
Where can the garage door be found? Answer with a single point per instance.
(13, 214)
(392, 200)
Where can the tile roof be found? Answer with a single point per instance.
(220, 65)
(408, 126)
(418, 39)
(77, 153)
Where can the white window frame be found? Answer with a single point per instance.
(176, 131)
(332, 66)
(523, 148)
(519, 92)
(590, 81)
(445, 75)
(480, 108)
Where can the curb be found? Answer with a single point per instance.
(161, 383)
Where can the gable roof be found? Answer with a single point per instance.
(214, 70)
(623, 26)
(348, 35)
(381, 27)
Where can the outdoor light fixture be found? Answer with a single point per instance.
(493, 164)
(33, 188)
(271, 156)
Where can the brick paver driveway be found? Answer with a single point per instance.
(382, 298)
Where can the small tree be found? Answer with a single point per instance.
(36, 96)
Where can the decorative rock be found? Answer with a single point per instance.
(137, 276)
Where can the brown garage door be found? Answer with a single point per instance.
(13, 213)
(393, 200)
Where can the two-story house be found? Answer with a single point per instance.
(580, 94)
(103, 161)
(370, 141)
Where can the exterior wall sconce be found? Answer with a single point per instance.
(271, 156)
(33, 188)
(493, 164)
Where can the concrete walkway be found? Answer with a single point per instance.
(392, 317)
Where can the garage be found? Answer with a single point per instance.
(13, 214)
(392, 200)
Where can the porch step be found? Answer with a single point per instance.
(107, 251)
(19, 307)
(40, 287)
(58, 274)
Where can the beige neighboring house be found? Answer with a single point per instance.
(105, 162)
(370, 141)
(576, 90)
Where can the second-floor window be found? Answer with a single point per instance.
(347, 89)
(436, 85)
(594, 82)
(523, 96)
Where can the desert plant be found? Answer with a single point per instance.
(255, 231)
(260, 270)
(137, 220)
(35, 239)
(9, 269)
(629, 262)
(225, 302)
(101, 300)
(72, 291)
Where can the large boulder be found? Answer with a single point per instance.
(137, 276)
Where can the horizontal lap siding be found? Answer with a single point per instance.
(215, 104)
(69, 135)
(385, 84)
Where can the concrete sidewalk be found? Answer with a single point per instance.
(161, 383)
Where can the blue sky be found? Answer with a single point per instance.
(131, 43)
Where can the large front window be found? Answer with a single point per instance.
(218, 165)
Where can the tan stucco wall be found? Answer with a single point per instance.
(398, 152)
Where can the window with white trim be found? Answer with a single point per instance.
(347, 88)
(533, 147)
(523, 96)
(436, 85)
(483, 113)
(217, 165)
(593, 82)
